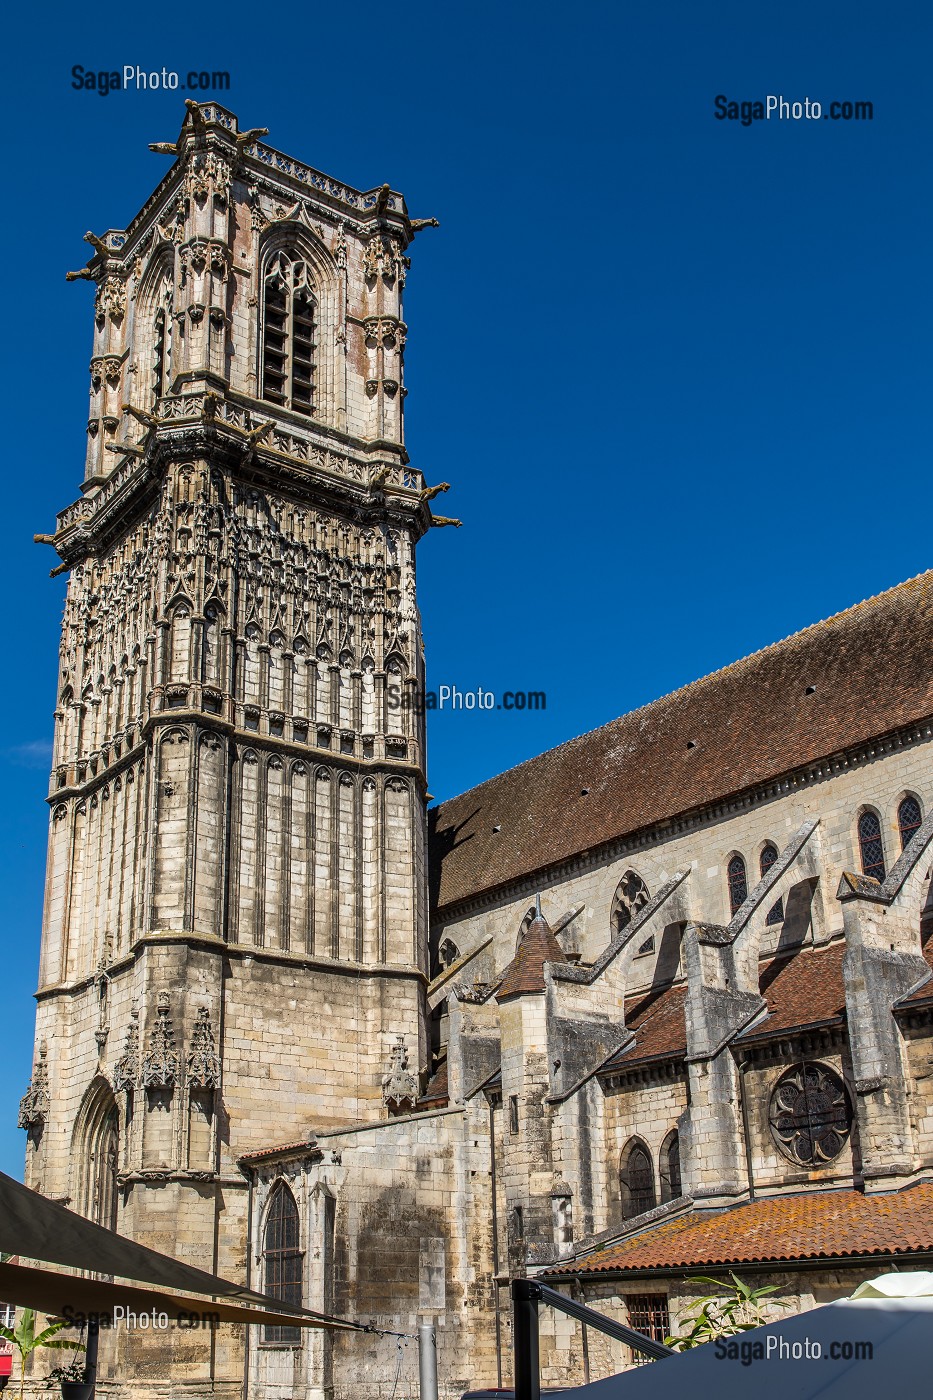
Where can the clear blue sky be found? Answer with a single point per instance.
(677, 369)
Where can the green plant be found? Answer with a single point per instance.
(74, 1371)
(26, 1340)
(732, 1309)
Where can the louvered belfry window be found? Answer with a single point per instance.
(288, 334)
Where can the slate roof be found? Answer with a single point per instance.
(747, 724)
(817, 1225)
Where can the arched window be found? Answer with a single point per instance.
(909, 817)
(738, 883)
(97, 1147)
(769, 855)
(161, 350)
(104, 1166)
(636, 1181)
(630, 897)
(288, 334)
(448, 953)
(871, 847)
(670, 1167)
(282, 1258)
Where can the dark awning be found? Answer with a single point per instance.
(65, 1295)
(34, 1227)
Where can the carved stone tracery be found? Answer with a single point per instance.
(161, 1062)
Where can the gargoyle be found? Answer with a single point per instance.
(197, 116)
(83, 274)
(430, 492)
(382, 200)
(246, 138)
(257, 434)
(418, 224)
(379, 477)
(148, 420)
(126, 449)
(99, 246)
(164, 148)
(446, 520)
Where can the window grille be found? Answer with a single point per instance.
(648, 1313)
(909, 818)
(738, 883)
(288, 335)
(282, 1259)
(871, 846)
(768, 856)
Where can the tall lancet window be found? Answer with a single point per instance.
(288, 334)
(282, 1258)
(160, 353)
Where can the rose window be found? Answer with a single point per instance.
(809, 1114)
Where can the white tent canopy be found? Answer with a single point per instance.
(878, 1342)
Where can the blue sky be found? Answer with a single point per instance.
(677, 369)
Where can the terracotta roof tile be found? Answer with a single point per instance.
(748, 723)
(436, 1091)
(818, 1225)
(525, 973)
(803, 988)
(307, 1145)
(657, 1019)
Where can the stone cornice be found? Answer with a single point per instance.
(314, 756)
(208, 942)
(306, 466)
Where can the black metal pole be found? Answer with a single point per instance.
(90, 1356)
(527, 1376)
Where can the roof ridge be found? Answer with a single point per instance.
(690, 685)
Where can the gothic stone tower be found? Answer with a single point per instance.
(235, 922)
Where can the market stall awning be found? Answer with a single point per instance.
(67, 1295)
(33, 1227)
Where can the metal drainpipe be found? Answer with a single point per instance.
(745, 1135)
(495, 1242)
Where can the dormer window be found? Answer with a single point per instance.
(288, 334)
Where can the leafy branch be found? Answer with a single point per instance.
(733, 1308)
(26, 1340)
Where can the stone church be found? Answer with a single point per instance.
(655, 1003)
